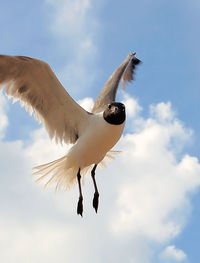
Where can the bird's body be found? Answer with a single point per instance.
(93, 134)
(99, 137)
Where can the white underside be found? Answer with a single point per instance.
(91, 148)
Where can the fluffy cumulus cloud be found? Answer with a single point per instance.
(173, 254)
(154, 183)
(144, 196)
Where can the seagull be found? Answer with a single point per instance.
(93, 134)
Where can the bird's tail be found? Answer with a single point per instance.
(58, 173)
(61, 173)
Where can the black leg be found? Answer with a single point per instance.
(96, 194)
(80, 201)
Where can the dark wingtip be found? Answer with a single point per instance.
(129, 72)
(136, 61)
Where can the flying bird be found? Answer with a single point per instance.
(93, 134)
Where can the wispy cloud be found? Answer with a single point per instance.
(75, 26)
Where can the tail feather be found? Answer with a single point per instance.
(57, 172)
(61, 173)
(108, 158)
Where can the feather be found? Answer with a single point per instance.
(60, 173)
(123, 73)
(128, 75)
(33, 83)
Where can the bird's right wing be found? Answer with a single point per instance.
(33, 83)
(124, 73)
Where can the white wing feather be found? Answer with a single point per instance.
(33, 83)
(124, 73)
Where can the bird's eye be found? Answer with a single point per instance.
(109, 106)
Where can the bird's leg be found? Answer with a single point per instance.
(80, 201)
(96, 194)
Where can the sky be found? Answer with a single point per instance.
(150, 194)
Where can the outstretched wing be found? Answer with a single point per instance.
(124, 73)
(33, 83)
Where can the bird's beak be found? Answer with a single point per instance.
(115, 109)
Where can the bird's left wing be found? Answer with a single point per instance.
(124, 73)
(33, 83)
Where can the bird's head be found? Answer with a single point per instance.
(115, 113)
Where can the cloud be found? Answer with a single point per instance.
(144, 195)
(43, 241)
(132, 106)
(153, 194)
(70, 17)
(3, 116)
(174, 254)
(87, 103)
(75, 27)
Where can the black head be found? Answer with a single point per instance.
(115, 113)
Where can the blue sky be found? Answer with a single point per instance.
(84, 41)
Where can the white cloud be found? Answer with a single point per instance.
(162, 111)
(42, 149)
(143, 197)
(75, 27)
(3, 116)
(70, 17)
(152, 199)
(43, 241)
(132, 106)
(87, 103)
(172, 253)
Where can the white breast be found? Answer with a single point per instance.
(97, 139)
